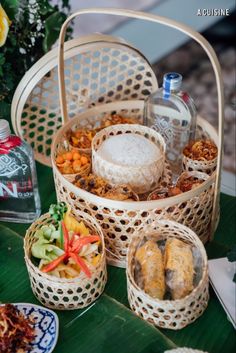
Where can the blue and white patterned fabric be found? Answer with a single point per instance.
(46, 327)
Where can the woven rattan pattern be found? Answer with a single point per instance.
(99, 74)
(59, 293)
(172, 314)
(201, 166)
(119, 225)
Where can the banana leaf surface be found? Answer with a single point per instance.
(108, 325)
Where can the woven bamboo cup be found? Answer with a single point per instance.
(84, 170)
(143, 178)
(62, 293)
(207, 167)
(171, 314)
(194, 174)
(183, 176)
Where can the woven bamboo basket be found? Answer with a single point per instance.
(141, 179)
(121, 78)
(172, 314)
(61, 293)
(119, 220)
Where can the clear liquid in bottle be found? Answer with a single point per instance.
(172, 113)
(19, 196)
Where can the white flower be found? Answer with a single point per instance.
(22, 50)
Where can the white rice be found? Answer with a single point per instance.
(129, 150)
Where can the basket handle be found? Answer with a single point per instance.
(180, 27)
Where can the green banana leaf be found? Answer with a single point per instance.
(106, 326)
(109, 326)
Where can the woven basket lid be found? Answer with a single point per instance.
(98, 69)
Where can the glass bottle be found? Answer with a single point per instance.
(19, 196)
(172, 113)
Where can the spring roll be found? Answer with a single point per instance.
(179, 269)
(151, 263)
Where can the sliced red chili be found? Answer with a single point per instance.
(81, 263)
(66, 237)
(72, 239)
(78, 244)
(49, 267)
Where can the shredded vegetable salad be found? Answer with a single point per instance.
(65, 247)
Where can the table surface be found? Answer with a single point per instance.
(108, 325)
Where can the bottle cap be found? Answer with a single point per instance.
(172, 81)
(4, 129)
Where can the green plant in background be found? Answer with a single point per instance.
(28, 29)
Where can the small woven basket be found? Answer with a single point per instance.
(61, 293)
(141, 179)
(207, 167)
(64, 147)
(172, 314)
(183, 176)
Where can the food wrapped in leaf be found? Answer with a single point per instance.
(150, 259)
(179, 267)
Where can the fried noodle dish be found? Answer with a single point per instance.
(202, 150)
(16, 331)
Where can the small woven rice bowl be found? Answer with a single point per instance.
(143, 178)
